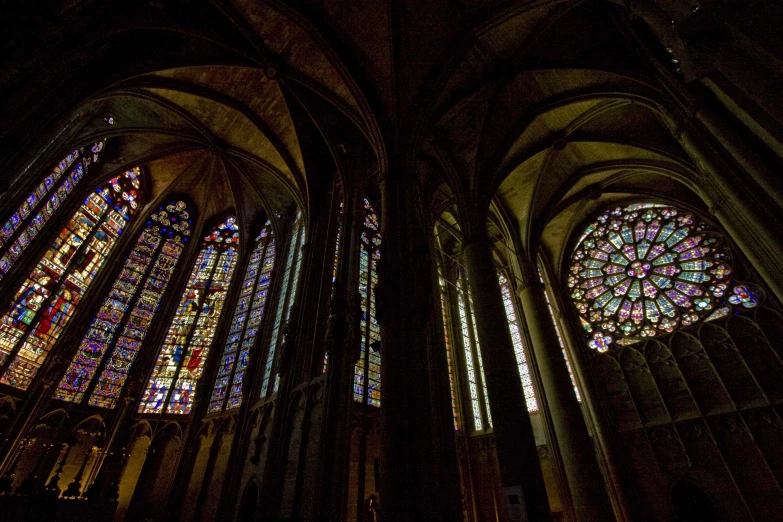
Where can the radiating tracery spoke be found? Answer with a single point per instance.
(647, 269)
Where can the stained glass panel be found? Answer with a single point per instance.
(467, 343)
(49, 296)
(245, 324)
(18, 232)
(285, 301)
(645, 270)
(447, 339)
(180, 362)
(516, 339)
(368, 379)
(479, 359)
(148, 267)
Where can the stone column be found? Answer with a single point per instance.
(749, 218)
(588, 494)
(413, 484)
(341, 337)
(520, 470)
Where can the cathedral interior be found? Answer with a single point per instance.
(396, 260)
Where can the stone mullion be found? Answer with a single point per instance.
(461, 379)
(192, 332)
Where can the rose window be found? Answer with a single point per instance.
(646, 269)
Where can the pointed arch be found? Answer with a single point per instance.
(180, 362)
(129, 308)
(227, 392)
(49, 296)
(41, 203)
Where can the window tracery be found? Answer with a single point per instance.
(180, 362)
(129, 308)
(367, 372)
(51, 293)
(34, 212)
(646, 269)
(227, 392)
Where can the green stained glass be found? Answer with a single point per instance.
(678, 268)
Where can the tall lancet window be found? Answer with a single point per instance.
(123, 320)
(34, 212)
(469, 343)
(180, 363)
(245, 324)
(367, 372)
(516, 339)
(449, 350)
(285, 301)
(49, 296)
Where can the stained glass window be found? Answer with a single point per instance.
(49, 296)
(478, 356)
(447, 339)
(245, 324)
(180, 362)
(367, 372)
(644, 270)
(468, 341)
(128, 309)
(516, 339)
(334, 278)
(286, 300)
(36, 209)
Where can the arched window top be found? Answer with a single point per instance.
(122, 323)
(180, 362)
(646, 269)
(47, 299)
(242, 336)
(225, 234)
(171, 221)
(34, 212)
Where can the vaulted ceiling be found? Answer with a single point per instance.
(546, 108)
